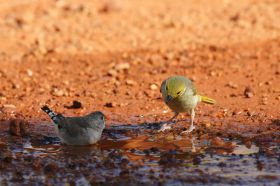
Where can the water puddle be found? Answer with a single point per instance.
(131, 154)
(243, 150)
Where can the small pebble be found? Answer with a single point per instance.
(10, 106)
(219, 143)
(29, 72)
(153, 87)
(232, 85)
(8, 109)
(248, 92)
(112, 73)
(110, 104)
(57, 92)
(75, 105)
(122, 66)
(130, 82)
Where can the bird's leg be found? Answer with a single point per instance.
(166, 126)
(175, 115)
(192, 127)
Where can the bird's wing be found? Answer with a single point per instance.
(87, 122)
(193, 89)
(73, 125)
(190, 85)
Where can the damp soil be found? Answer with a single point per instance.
(82, 56)
(139, 154)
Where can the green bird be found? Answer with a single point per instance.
(179, 94)
(83, 130)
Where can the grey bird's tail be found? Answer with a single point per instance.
(51, 114)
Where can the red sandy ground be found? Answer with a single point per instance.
(113, 55)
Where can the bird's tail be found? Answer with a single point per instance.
(207, 100)
(51, 114)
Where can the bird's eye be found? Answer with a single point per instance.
(178, 92)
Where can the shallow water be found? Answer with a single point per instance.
(135, 155)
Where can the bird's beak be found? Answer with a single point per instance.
(168, 98)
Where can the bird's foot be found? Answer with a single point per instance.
(189, 130)
(164, 127)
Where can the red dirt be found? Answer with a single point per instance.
(107, 54)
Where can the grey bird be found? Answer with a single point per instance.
(83, 130)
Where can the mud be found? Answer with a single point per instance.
(136, 155)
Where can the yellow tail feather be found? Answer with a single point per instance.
(207, 100)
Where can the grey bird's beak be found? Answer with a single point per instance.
(168, 98)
